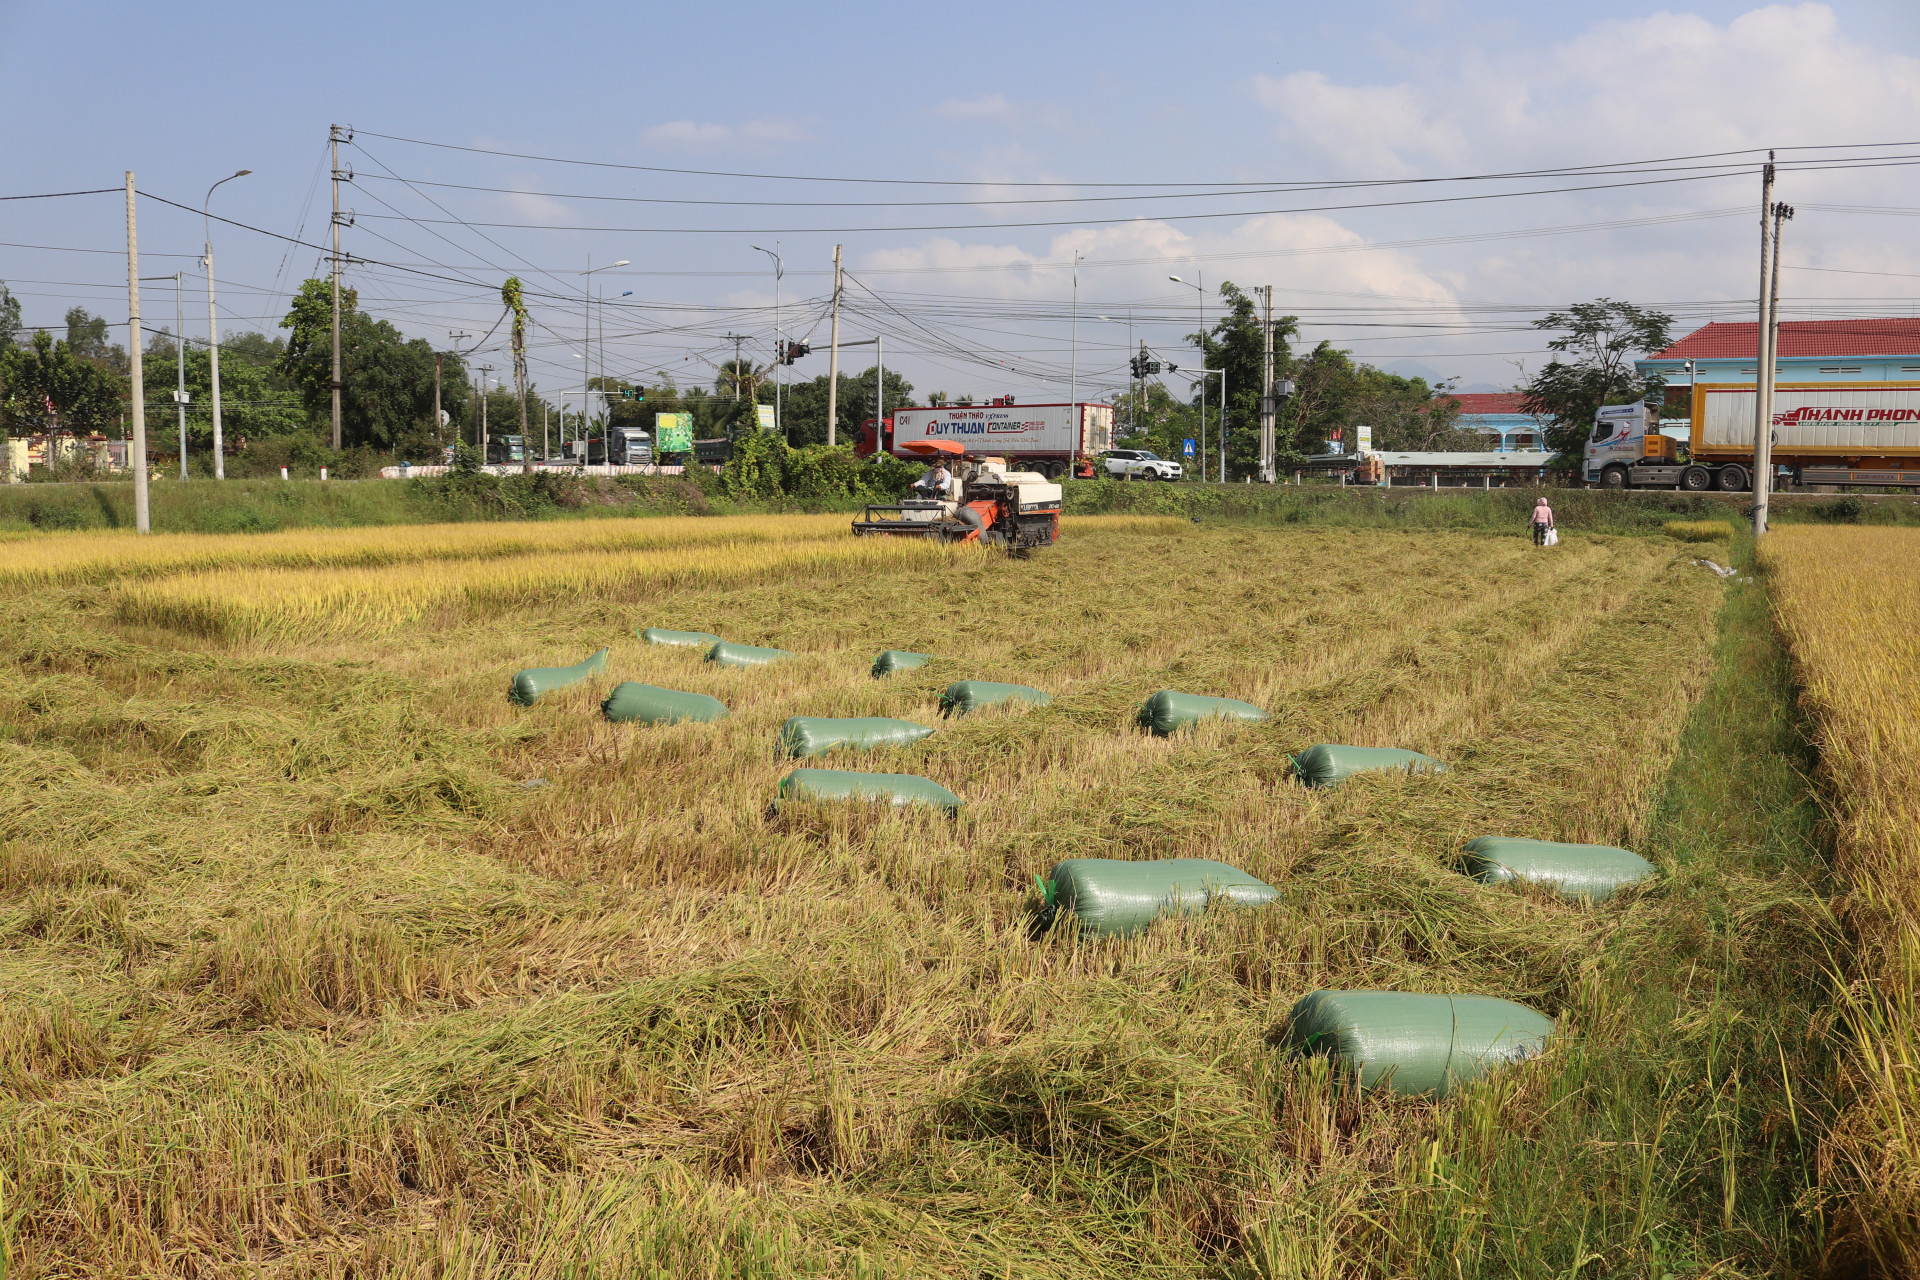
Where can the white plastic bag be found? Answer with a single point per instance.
(1553, 537)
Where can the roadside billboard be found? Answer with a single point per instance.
(673, 433)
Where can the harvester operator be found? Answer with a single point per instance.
(936, 484)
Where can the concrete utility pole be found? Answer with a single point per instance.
(213, 329)
(1221, 475)
(180, 362)
(333, 139)
(137, 391)
(455, 336)
(879, 395)
(1762, 361)
(833, 356)
(1073, 376)
(1202, 288)
(1763, 459)
(1140, 393)
(485, 369)
(733, 374)
(436, 396)
(1267, 405)
(779, 352)
(586, 344)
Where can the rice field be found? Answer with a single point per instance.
(1849, 603)
(321, 958)
(36, 559)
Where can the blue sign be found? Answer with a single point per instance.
(1186, 447)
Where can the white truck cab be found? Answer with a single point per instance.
(1619, 436)
(1627, 451)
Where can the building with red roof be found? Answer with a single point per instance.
(1885, 349)
(1501, 417)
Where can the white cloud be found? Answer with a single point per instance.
(997, 109)
(1369, 128)
(1133, 260)
(531, 206)
(689, 135)
(994, 106)
(1667, 84)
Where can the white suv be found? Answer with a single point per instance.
(1139, 464)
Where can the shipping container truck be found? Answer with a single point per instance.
(1052, 439)
(1824, 433)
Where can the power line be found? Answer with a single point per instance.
(60, 195)
(952, 182)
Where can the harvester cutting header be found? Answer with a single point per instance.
(968, 499)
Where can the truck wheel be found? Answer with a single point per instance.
(1614, 477)
(1696, 479)
(1733, 479)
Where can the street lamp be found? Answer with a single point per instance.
(779, 356)
(1073, 377)
(213, 325)
(586, 340)
(1200, 380)
(1200, 277)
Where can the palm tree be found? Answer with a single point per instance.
(510, 295)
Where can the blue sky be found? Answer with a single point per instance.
(1001, 103)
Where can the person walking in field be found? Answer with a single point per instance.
(1542, 522)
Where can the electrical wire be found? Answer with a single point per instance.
(951, 182)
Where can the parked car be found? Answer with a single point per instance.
(1138, 464)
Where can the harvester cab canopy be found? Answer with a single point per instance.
(933, 449)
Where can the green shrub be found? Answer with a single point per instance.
(765, 468)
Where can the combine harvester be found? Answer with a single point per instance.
(1018, 510)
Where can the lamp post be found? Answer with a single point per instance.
(180, 365)
(586, 337)
(1073, 375)
(779, 355)
(213, 325)
(1200, 380)
(1201, 288)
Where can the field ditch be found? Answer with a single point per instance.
(321, 958)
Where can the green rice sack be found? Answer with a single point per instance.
(1328, 765)
(898, 789)
(1170, 711)
(812, 735)
(724, 654)
(646, 704)
(1112, 897)
(1415, 1044)
(685, 639)
(898, 660)
(1582, 872)
(963, 696)
(528, 686)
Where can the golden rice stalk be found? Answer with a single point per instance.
(1699, 530)
(1847, 599)
(235, 604)
(97, 556)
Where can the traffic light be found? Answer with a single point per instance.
(1149, 367)
(633, 393)
(1139, 366)
(795, 350)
